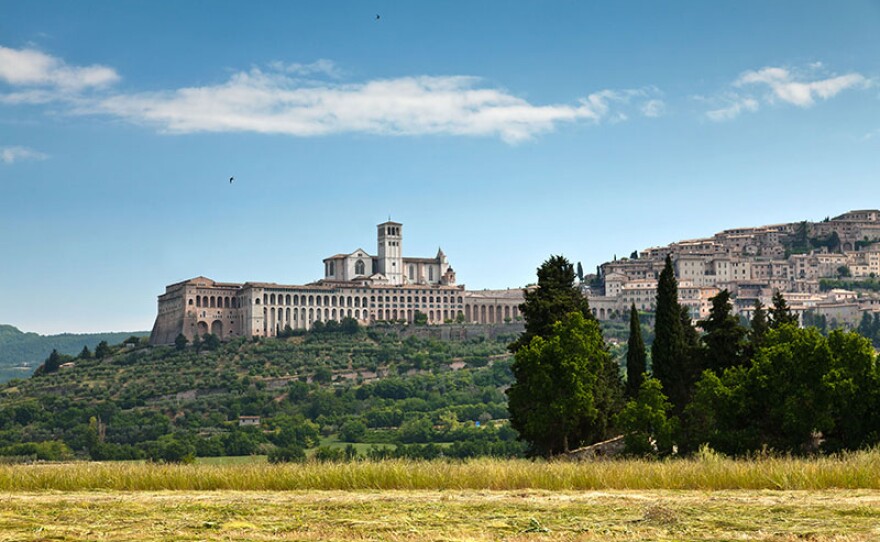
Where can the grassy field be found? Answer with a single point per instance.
(706, 472)
(842, 515)
(705, 498)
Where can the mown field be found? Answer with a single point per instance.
(838, 515)
(704, 498)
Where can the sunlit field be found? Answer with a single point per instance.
(705, 498)
(708, 471)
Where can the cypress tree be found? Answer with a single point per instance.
(780, 314)
(724, 338)
(759, 325)
(668, 349)
(866, 326)
(636, 357)
(86, 353)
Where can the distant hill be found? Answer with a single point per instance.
(21, 352)
(371, 387)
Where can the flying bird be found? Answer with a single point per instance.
(231, 179)
(377, 16)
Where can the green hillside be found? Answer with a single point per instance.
(374, 389)
(21, 352)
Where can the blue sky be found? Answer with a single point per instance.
(502, 131)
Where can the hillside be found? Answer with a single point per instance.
(371, 388)
(21, 352)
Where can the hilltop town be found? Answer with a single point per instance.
(807, 261)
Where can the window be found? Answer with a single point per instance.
(359, 268)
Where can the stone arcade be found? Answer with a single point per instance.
(384, 287)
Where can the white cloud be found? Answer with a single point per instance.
(275, 103)
(795, 90)
(653, 108)
(310, 100)
(734, 107)
(10, 155)
(29, 67)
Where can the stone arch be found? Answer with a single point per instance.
(498, 315)
(326, 300)
(226, 302)
(287, 299)
(357, 302)
(333, 315)
(467, 313)
(507, 312)
(483, 314)
(430, 316)
(202, 327)
(217, 328)
(394, 314)
(213, 301)
(311, 300)
(272, 299)
(359, 267)
(326, 314)
(198, 301)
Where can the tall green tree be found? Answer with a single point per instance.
(580, 272)
(555, 296)
(552, 403)
(636, 357)
(724, 337)
(669, 351)
(866, 326)
(780, 313)
(85, 353)
(758, 326)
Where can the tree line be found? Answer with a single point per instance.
(739, 389)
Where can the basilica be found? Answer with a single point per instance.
(369, 288)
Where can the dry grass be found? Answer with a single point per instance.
(708, 472)
(442, 515)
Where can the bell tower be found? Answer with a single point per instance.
(390, 252)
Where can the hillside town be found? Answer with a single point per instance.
(807, 262)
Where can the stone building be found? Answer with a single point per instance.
(369, 288)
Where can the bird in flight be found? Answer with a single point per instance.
(231, 179)
(377, 16)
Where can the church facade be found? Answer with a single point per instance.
(369, 288)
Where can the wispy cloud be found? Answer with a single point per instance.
(790, 88)
(307, 100)
(735, 106)
(10, 155)
(30, 67)
(269, 101)
(653, 108)
(802, 88)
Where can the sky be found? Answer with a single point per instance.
(503, 132)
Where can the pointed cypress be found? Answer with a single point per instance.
(668, 350)
(636, 357)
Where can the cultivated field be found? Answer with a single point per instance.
(708, 498)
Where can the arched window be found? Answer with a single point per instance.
(198, 301)
(287, 299)
(212, 302)
(430, 272)
(359, 268)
